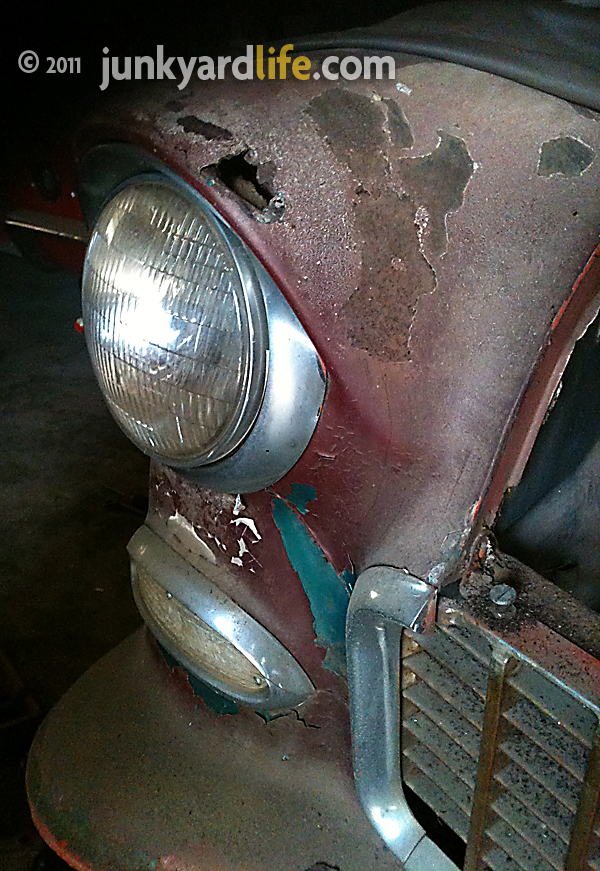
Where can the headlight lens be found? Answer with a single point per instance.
(175, 324)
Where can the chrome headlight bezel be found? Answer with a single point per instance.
(288, 387)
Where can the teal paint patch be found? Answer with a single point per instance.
(301, 495)
(328, 593)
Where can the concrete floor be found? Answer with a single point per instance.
(72, 492)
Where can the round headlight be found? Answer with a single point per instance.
(175, 324)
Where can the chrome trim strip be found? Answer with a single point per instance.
(385, 601)
(51, 225)
(287, 683)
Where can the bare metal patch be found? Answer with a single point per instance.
(192, 124)
(352, 124)
(565, 156)
(437, 183)
(400, 132)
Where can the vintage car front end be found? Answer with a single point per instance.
(334, 313)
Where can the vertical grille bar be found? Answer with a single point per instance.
(499, 667)
(585, 816)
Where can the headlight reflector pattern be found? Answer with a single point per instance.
(174, 324)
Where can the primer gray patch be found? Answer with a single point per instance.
(437, 183)
(564, 156)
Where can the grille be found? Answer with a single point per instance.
(501, 753)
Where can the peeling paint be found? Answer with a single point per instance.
(564, 156)
(353, 126)
(301, 495)
(247, 521)
(187, 535)
(327, 592)
(239, 506)
(367, 136)
(394, 274)
(400, 132)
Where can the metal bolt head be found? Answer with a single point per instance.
(502, 595)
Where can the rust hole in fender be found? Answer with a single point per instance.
(252, 182)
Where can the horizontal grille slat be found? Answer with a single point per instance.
(427, 733)
(542, 768)
(557, 704)
(432, 795)
(498, 860)
(538, 799)
(440, 774)
(457, 660)
(537, 834)
(525, 855)
(448, 686)
(539, 751)
(470, 640)
(543, 731)
(447, 718)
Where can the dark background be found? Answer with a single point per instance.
(72, 487)
(39, 105)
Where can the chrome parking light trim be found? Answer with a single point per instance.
(385, 601)
(287, 685)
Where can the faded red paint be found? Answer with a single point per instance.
(404, 448)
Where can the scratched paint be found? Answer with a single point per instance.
(328, 593)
